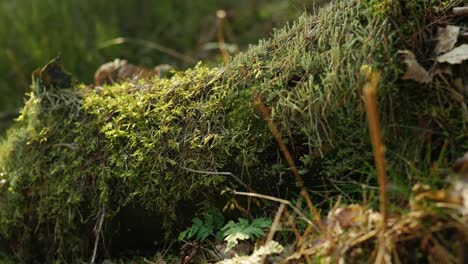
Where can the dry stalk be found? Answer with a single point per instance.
(266, 115)
(221, 173)
(292, 224)
(275, 224)
(150, 45)
(274, 227)
(279, 200)
(220, 18)
(97, 230)
(370, 91)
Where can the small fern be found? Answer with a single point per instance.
(200, 230)
(243, 230)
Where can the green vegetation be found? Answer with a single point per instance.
(78, 155)
(201, 229)
(242, 230)
(85, 33)
(231, 232)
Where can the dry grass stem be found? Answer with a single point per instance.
(266, 115)
(221, 173)
(292, 224)
(275, 224)
(220, 18)
(98, 230)
(279, 200)
(370, 91)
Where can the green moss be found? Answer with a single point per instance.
(77, 151)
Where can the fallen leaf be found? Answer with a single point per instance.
(349, 216)
(446, 38)
(414, 71)
(455, 56)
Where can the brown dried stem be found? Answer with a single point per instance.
(370, 91)
(292, 224)
(266, 115)
(275, 224)
(220, 18)
(275, 199)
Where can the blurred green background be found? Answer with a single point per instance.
(85, 33)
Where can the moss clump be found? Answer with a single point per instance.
(77, 153)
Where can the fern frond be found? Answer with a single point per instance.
(243, 230)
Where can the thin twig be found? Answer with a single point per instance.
(97, 230)
(279, 200)
(148, 44)
(266, 115)
(220, 173)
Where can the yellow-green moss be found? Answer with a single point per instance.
(77, 151)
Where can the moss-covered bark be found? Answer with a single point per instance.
(79, 152)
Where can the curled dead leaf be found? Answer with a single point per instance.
(414, 71)
(446, 38)
(348, 216)
(455, 56)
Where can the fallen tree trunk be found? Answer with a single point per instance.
(134, 147)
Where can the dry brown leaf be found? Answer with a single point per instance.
(348, 216)
(455, 56)
(446, 38)
(414, 71)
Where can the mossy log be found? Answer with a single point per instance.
(80, 154)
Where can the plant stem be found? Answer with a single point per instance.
(266, 115)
